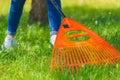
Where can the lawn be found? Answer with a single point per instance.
(31, 59)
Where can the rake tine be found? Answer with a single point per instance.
(92, 55)
(60, 60)
(65, 60)
(79, 57)
(76, 53)
(116, 56)
(82, 56)
(104, 56)
(92, 59)
(72, 57)
(108, 54)
(99, 54)
(57, 58)
(96, 56)
(71, 61)
(110, 57)
(75, 59)
(68, 60)
(85, 55)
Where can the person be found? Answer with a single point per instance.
(15, 13)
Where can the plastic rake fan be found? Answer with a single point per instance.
(76, 45)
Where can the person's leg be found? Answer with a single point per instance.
(54, 19)
(13, 21)
(14, 15)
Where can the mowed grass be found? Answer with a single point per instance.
(31, 60)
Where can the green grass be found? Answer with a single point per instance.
(30, 61)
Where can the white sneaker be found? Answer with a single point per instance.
(9, 43)
(52, 39)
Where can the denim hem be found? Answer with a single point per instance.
(53, 32)
(12, 33)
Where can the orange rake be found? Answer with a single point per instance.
(76, 45)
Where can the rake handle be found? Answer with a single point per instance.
(57, 8)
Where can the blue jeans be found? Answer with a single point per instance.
(16, 11)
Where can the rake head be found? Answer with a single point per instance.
(76, 45)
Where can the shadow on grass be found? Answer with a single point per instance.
(3, 19)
